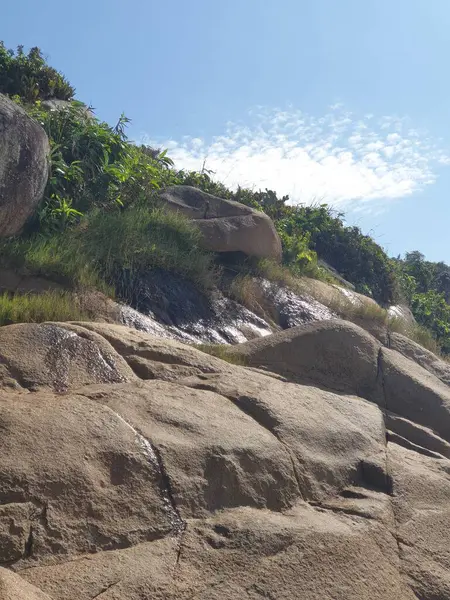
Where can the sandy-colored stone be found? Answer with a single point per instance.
(226, 226)
(58, 356)
(14, 587)
(420, 355)
(414, 393)
(305, 553)
(335, 354)
(199, 479)
(152, 357)
(211, 467)
(74, 478)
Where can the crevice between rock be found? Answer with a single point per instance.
(105, 589)
(352, 512)
(178, 524)
(250, 408)
(395, 438)
(384, 411)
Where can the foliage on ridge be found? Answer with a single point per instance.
(30, 77)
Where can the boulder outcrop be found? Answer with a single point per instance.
(335, 354)
(226, 226)
(135, 467)
(24, 154)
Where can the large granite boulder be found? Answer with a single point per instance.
(190, 477)
(226, 226)
(24, 167)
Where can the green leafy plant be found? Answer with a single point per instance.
(297, 252)
(30, 77)
(432, 311)
(93, 165)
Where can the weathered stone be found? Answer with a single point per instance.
(413, 392)
(24, 152)
(226, 226)
(335, 354)
(59, 356)
(224, 482)
(93, 482)
(13, 587)
(420, 355)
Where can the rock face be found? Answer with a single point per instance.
(424, 357)
(335, 354)
(133, 467)
(226, 226)
(13, 587)
(24, 152)
(177, 309)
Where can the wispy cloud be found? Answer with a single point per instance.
(348, 161)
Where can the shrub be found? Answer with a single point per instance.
(432, 311)
(297, 253)
(93, 165)
(203, 181)
(425, 287)
(354, 255)
(30, 77)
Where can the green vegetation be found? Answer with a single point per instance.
(425, 286)
(93, 165)
(433, 312)
(308, 232)
(29, 76)
(224, 352)
(100, 224)
(37, 308)
(107, 250)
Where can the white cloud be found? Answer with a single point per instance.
(336, 157)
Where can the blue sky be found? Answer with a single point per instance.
(346, 101)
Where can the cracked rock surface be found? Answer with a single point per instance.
(137, 468)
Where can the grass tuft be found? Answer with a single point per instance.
(417, 333)
(37, 308)
(140, 238)
(224, 352)
(109, 248)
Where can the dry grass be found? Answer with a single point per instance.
(416, 333)
(224, 352)
(353, 307)
(247, 290)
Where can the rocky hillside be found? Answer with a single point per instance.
(205, 394)
(134, 467)
(84, 208)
